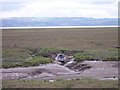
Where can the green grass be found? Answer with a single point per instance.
(15, 52)
(83, 56)
(36, 61)
(74, 83)
(110, 54)
(96, 54)
(46, 51)
(14, 57)
(11, 57)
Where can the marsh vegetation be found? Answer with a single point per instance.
(34, 47)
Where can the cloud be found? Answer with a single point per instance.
(62, 8)
(11, 6)
(86, 1)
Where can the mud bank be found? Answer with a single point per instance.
(92, 69)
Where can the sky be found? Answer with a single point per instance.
(59, 8)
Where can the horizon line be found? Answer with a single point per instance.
(56, 27)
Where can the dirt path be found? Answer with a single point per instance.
(92, 69)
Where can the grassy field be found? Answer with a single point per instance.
(19, 45)
(70, 38)
(74, 83)
(95, 43)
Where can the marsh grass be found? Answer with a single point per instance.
(18, 45)
(14, 57)
(36, 61)
(71, 38)
(46, 51)
(110, 54)
(73, 83)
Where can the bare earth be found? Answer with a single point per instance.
(98, 70)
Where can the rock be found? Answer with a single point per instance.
(51, 80)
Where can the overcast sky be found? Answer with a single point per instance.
(59, 8)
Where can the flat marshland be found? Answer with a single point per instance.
(70, 38)
(31, 47)
(74, 83)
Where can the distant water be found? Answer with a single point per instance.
(38, 22)
(56, 27)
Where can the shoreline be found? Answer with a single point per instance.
(57, 27)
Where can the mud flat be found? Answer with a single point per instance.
(101, 70)
(92, 69)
